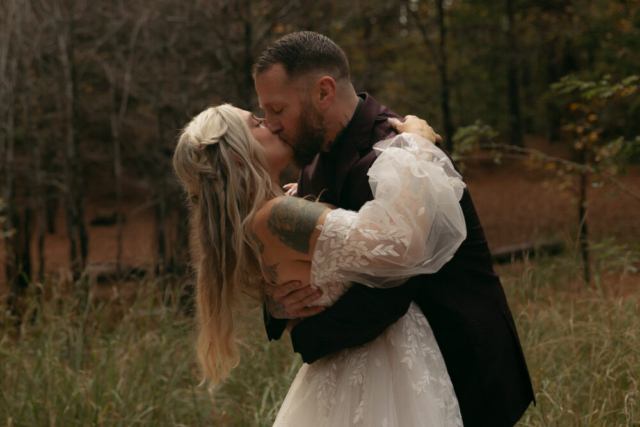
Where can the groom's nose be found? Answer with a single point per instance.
(273, 124)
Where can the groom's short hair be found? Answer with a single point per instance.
(302, 53)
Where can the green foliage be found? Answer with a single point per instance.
(614, 257)
(468, 138)
(618, 152)
(601, 89)
(588, 102)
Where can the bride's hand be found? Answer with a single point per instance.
(413, 124)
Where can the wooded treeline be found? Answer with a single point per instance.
(100, 88)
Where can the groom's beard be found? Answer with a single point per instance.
(311, 137)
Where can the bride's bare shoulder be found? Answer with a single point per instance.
(289, 225)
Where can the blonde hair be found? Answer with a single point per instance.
(227, 182)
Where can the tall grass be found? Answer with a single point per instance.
(125, 364)
(124, 367)
(582, 342)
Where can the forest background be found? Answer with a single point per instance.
(537, 100)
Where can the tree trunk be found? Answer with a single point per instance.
(13, 248)
(181, 250)
(583, 234)
(73, 160)
(247, 90)
(38, 148)
(117, 170)
(553, 75)
(51, 208)
(40, 206)
(23, 236)
(7, 114)
(515, 118)
(529, 124)
(117, 122)
(161, 199)
(8, 194)
(69, 158)
(22, 242)
(446, 112)
(367, 42)
(18, 261)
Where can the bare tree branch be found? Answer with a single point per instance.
(526, 154)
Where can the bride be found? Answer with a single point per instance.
(249, 232)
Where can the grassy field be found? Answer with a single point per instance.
(127, 362)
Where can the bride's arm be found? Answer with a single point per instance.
(288, 228)
(413, 225)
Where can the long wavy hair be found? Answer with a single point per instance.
(227, 181)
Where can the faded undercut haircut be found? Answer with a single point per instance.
(302, 53)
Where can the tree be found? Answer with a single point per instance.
(595, 156)
(515, 118)
(120, 76)
(15, 57)
(585, 132)
(65, 25)
(441, 55)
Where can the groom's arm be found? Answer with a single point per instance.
(274, 326)
(359, 316)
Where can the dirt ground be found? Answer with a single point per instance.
(516, 204)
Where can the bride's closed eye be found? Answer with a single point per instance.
(258, 122)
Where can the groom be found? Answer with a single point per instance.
(303, 85)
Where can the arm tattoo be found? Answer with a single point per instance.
(277, 309)
(293, 221)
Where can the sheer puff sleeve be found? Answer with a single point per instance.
(413, 226)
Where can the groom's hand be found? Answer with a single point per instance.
(291, 300)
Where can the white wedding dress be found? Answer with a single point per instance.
(413, 226)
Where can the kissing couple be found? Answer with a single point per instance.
(375, 261)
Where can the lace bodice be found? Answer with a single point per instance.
(413, 225)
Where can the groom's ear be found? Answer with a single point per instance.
(324, 92)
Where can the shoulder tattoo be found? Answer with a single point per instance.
(293, 221)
